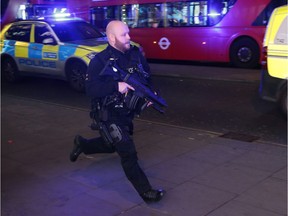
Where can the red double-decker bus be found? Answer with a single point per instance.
(197, 30)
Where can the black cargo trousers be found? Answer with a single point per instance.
(125, 148)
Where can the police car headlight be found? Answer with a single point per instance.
(91, 55)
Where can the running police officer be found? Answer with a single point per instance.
(114, 106)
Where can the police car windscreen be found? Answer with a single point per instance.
(73, 31)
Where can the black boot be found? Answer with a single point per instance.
(153, 195)
(77, 148)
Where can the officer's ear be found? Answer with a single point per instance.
(111, 38)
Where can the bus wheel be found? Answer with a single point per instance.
(244, 53)
(76, 75)
(283, 102)
(10, 71)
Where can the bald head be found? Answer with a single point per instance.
(118, 35)
(113, 26)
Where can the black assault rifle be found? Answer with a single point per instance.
(141, 90)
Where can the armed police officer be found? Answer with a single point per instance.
(114, 104)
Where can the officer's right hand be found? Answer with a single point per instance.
(124, 87)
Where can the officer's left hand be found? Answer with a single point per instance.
(123, 87)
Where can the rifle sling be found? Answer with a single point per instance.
(126, 77)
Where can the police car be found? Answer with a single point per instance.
(57, 48)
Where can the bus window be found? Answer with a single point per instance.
(170, 14)
(187, 13)
(150, 15)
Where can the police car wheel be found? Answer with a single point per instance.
(10, 71)
(76, 75)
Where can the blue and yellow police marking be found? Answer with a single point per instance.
(51, 52)
(65, 52)
(21, 49)
(37, 63)
(34, 56)
(47, 56)
(35, 51)
(8, 47)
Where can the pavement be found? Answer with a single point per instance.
(213, 72)
(204, 173)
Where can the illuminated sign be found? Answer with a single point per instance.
(164, 43)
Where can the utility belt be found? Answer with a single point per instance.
(130, 102)
(101, 115)
(111, 133)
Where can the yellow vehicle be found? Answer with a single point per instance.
(56, 48)
(274, 72)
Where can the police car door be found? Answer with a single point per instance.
(18, 38)
(44, 50)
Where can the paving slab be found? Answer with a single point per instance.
(235, 208)
(270, 194)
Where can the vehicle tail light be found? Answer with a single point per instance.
(264, 58)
